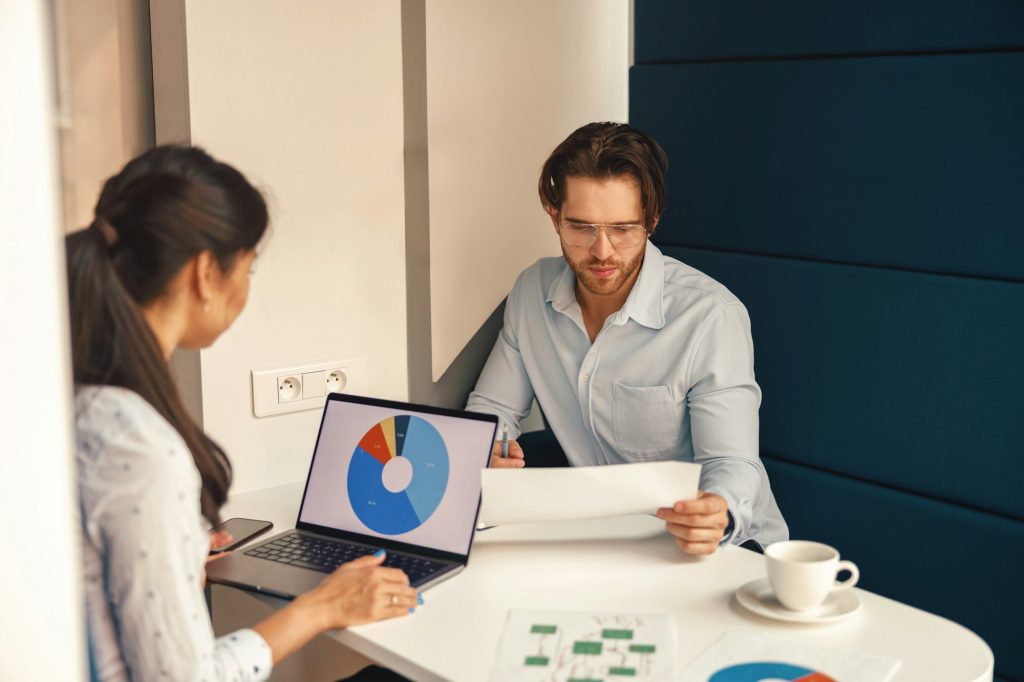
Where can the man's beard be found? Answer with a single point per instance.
(603, 286)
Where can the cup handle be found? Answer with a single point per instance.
(852, 580)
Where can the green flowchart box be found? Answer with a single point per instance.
(617, 634)
(537, 660)
(543, 629)
(623, 672)
(589, 648)
(642, 648)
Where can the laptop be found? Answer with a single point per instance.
(385, 475)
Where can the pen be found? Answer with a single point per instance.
(504, 441)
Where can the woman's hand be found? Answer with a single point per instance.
(220, 538)
(361, 591)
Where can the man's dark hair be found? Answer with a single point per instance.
(602, 151)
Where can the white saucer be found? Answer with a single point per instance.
(757, 596)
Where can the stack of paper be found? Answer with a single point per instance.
(558, 494)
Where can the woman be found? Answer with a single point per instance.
(166, 264)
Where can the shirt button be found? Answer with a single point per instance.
(586, 377)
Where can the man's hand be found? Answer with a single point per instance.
(698, 525)
(515, 456)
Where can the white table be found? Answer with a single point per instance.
(626, 565)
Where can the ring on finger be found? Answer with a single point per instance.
(394, 599)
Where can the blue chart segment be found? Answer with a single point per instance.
(414, 440)
(765, 670)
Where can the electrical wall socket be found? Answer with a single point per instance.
(288, 389)
(277, 390)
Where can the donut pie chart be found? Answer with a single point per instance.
(768, 671)
(398, 474)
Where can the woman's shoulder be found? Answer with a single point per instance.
(111, 421)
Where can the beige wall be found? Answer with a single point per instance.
(105, 94)
(506, 82)
(306, 99)
(312, 101)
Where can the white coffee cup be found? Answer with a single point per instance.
(802, 573)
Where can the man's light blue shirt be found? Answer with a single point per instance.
(669, 376)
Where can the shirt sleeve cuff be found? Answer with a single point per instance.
(255, 659)
(733, 531)
(730, 530)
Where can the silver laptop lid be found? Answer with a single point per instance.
(404, 474)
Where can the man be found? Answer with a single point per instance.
(633, 356)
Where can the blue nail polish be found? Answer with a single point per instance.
(412, 610)
(419, 598)
(379, 553)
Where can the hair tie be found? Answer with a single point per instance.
(106, 230)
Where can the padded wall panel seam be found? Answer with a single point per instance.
(827, 56)
(693, 29)
(911, 379)
(902, 163)
(663, 245)
(774, 457)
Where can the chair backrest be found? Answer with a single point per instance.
(854, 173)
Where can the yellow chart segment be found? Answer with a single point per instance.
(388, 427)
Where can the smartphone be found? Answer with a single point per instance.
(241, 531)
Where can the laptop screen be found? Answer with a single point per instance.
(393, 471)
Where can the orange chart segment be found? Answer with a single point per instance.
(375, 443)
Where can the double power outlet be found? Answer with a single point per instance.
(301, 385)
(279, 390)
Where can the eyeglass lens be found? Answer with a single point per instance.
(620, 236)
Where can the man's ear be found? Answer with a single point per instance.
(654, 224)
(553, 214)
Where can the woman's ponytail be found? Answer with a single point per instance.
(162, 209)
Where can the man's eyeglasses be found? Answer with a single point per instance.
(585, 234)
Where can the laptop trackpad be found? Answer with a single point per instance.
(263, 576)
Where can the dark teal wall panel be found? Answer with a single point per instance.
(914, 163)
(958, 563)
(685, 30)
(854, 172)
(908, 379)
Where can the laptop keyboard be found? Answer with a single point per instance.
(324, 555)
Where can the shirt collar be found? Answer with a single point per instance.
(645, 303)
(562, 292)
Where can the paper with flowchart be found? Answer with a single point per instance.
(746, 655)
(542, 646)
(566, 493)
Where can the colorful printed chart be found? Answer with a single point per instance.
(398, 474)
(747, 656)
(764, 670)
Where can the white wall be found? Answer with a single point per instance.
(311, 101)
(306, 99)
(506, 82)
(41, 624)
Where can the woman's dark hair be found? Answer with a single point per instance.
(162, 209)
(607, 150)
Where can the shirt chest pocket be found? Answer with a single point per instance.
(644, 419)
